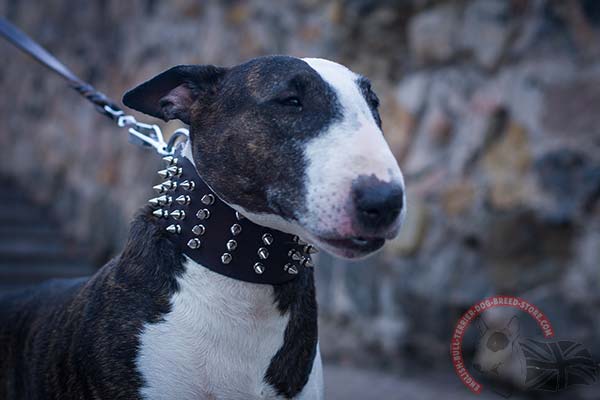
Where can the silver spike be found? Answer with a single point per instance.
(310, 249)
(208, 199)
(198, 230)
(170, 160)
(231, 245)
(169, 185)
(159, 188)
(160, 213)
(236, 229)
(203, 214)
(239, 216)
(226, 258)
(295, 255)
(194, 243)
(160, 201)
(170, 172)
(188, 185)
(307, 262)
(174, 228)
(290, 268)
(263, 253)
(259, 268)
(174, 170)
(267, 239)
(299, 241)
(165, 200)
(164, 174)
(165, 186)
(184, 199)
(178, 214)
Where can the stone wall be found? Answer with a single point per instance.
(489, 105)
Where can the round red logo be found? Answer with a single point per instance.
(472, 314)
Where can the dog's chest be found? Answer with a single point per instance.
(216, 343)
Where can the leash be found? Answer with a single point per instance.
(141, 134)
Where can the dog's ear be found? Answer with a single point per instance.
(482, 326)
(513, 326)
(170, 94)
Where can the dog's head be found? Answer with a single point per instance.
(496, 347)
(293, 144)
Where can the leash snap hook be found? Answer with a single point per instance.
(148, 135)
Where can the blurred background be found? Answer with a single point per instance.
(492, 108)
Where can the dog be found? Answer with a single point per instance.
(499, 357)
(291, 145)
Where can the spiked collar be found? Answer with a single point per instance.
(214, 235)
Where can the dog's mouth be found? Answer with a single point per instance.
(353, 246)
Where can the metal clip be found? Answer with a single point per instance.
(146, 134)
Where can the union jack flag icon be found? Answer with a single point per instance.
(557, 365)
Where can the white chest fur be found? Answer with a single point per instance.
(216, 343)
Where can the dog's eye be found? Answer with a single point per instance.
(498, 341)
(291, 101)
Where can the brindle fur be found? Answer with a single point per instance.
(75, 339)
(78, 338)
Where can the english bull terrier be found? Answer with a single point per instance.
(499, 357)
(213, 294)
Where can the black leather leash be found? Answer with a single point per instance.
(145, 135)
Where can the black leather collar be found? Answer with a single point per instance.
(211, 233)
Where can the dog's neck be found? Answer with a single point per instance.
(210, 232)
(274, 327)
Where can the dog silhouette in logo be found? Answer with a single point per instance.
(499, 358)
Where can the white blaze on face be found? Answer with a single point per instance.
(351, 147)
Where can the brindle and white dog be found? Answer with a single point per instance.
(293, 144)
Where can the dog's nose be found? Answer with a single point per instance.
(378, 203)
